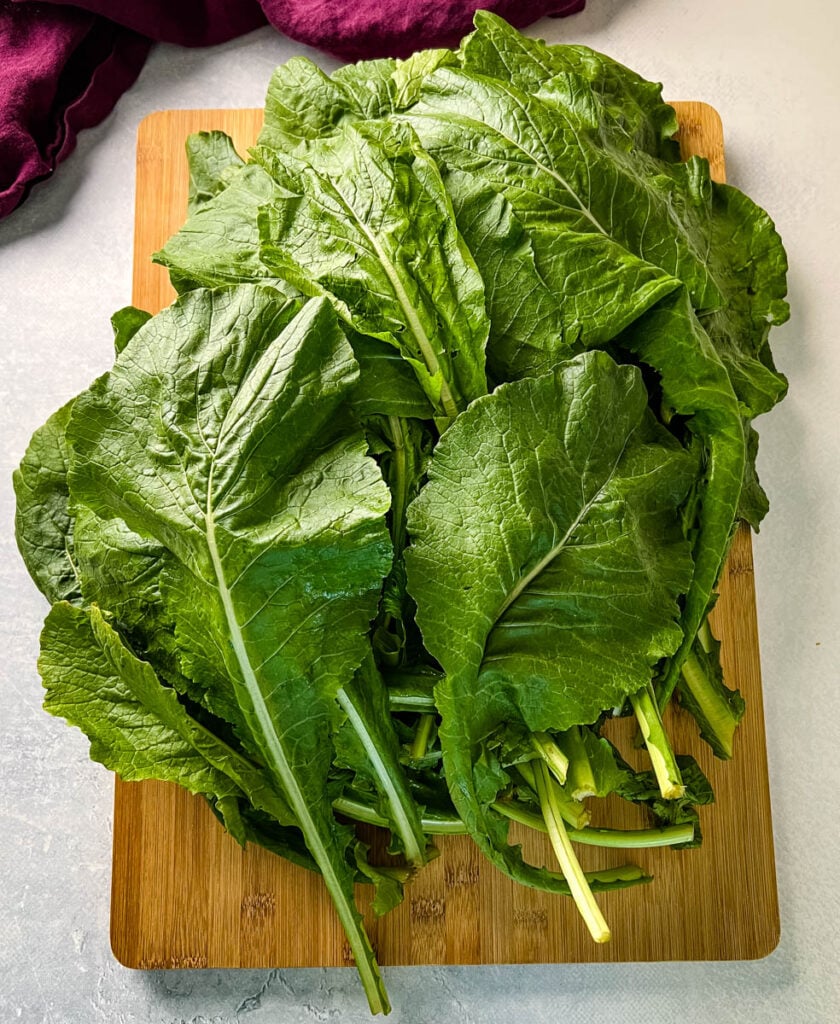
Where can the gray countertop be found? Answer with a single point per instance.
(771, 69)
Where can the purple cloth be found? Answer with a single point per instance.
(64, 64)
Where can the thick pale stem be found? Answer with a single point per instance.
(662, 758)
(443, 824)
(581, 780)
(569, 865)
(551, 754)
(704, 635)
(572, 811)
(402, 809)
(719, 716)
(433, 824)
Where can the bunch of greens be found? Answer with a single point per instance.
(430, 469)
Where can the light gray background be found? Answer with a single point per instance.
(771, 69)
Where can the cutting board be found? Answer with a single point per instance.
(185, 895)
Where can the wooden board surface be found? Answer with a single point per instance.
(185, 895)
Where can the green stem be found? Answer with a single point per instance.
(433, 824)
(389, 776)
(421, 737)
(704, 635)
(412, 691)
(569, 864)
(716, 714)
(551, 754)
(656, 740)
(271, 740)
(443, 824)
(405, 699)
(581, 782)
(399, 484)
(613, 838)
(571, 810)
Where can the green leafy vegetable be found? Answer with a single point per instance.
(431, 469)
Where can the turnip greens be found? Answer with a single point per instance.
(429, 471)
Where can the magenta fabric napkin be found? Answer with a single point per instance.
(64, 64)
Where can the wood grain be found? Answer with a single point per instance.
(185, 895)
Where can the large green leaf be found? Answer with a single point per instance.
(615, 211)
(750, 265)
(212, 160)
(136, 726)
(219, 243)
(527, 325)
(695, 385)
(303, 104)
(43, 522)
(625, 108)
(139, 729)
(371, 225)
(546, 562)
(219, 433)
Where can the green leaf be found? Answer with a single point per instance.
(43, 523)
(546, 562)
(304, 104)
(136, 727)
(219, 244)
(625, 217)
(387, 386)
(373, 228)
(628, 110)
(126, 322)
(381, 87)
(753, 504)
(527, 325)
(212, 159)
(750, 265)
(219, 433)
(696, 385)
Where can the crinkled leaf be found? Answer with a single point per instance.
(387, 386)
(136, 725)
(43, 522)
(304, 104)
(615, 211)
(527, 328)
(126, 322)
(372, 227)
(695, 384)
(546, 562)
(754, 504)
(212, 159)
(216, 434)
(219, 244)
(750, 265)
(629, 110)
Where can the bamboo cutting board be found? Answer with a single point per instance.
(185, 895)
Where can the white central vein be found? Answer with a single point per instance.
(550, 171)
(280, 764)
(547, 559)
(412, 848)
(414, 323)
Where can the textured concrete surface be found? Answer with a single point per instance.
(65, 262)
